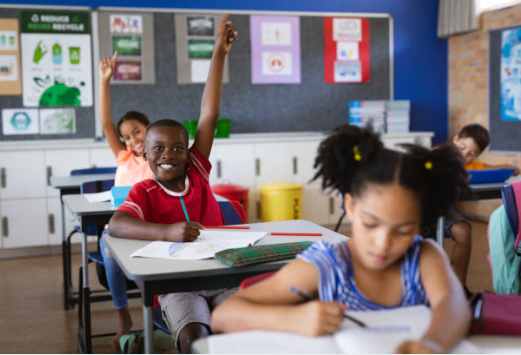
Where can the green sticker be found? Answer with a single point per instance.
(200, 48)
(127, 45)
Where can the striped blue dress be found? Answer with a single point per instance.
(337, 280)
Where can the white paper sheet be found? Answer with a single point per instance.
(387, 329)
(99, 196)
(199, 70)
(207, 244)
(267, 342)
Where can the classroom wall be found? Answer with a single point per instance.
(420, 58)
(468, 91)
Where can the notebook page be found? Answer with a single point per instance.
(98, 196)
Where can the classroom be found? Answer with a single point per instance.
(260, 177)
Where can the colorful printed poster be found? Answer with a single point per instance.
(200, 25)
(275, 49)
(200, 48)
(346, 50)
(58, 121)
(127, 70)
(10, 78)
(20, 121)
(510, 75)
(57, 58)
(127, 45)
(126, 23)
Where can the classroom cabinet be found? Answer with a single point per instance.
(61, 162)
(23, 223)
(101, 157)
(22, 174)
(232, 163)
(54, 220)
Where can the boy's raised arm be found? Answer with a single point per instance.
(211, 101)
(106, 70)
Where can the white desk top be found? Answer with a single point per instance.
(142, 269)
(60, 182)
(80, 206)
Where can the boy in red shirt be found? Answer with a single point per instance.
(153, 209)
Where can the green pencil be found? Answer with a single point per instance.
(184, 209)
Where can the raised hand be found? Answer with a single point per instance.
(183, 232)
(106, 67)
(226, 35)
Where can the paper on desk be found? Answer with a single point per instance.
(207, 244)
(98, 196)
(268, 342)
(387, 329)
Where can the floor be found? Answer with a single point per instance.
(33, 319)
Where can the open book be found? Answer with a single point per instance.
(205, 246)
(385, 331)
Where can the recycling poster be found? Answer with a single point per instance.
(56, 58)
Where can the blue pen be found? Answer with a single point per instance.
(309, 297)
(184, 209)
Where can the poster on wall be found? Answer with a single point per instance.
(10, 78)
(346, 50)
(57, 121)
(195, 41)
(17, 121)
(56, 58)
(510, 75)
(129, 65)
(275, 49)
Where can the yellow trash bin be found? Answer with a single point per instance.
(281, 201)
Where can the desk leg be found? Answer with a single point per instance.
(147, 327)
(439, 231)
(86, 294)
(65, 261)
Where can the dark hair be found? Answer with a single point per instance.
(132, 115)
(351, 159)
(478, 133)
(167, 123)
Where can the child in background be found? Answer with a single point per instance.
(130, 128)
(127, 142)
(471, 141)
(174, 205)
(388, 196)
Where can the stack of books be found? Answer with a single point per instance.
(363, 113)
(390, 116)
(397, 116)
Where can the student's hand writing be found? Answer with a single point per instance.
(317, 318)
(226, 36)
(419, 347)
(183, 232)
(106, 67)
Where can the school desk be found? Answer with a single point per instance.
(157, 276)
(71, 185)
(485, 191)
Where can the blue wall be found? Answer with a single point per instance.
(420, 58)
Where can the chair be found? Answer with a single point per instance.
(342, 216)
(233, 213)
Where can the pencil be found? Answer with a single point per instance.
(184, 208)
(298, 234)
(309, 297)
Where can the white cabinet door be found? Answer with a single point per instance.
(61, 162)
(315, 205)
(335, 208)
(273, 163)
(302, 160)
(101, 157)
(26, 223)
(232, 163)
(23, 174)
(55, 214)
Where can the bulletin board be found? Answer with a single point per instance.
(311, 105)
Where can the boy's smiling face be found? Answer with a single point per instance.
(166, 151)
(468, 148)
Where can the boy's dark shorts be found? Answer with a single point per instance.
(450, 219)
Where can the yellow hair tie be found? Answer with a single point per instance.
(358, 157)
(428, 165)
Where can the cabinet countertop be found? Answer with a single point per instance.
(239, 138)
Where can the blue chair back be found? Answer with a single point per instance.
(96, 186)
(94, 171)
(509, 201)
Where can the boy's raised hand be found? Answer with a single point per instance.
(226, 35)
(106, 67)
(183, 232)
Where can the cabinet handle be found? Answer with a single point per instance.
(257, 167)
(259, 210)
(331, 205)
(5, 227)
(295, 165)
(51, 224)
(219, 169)
(3, 177)
(49, 174)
